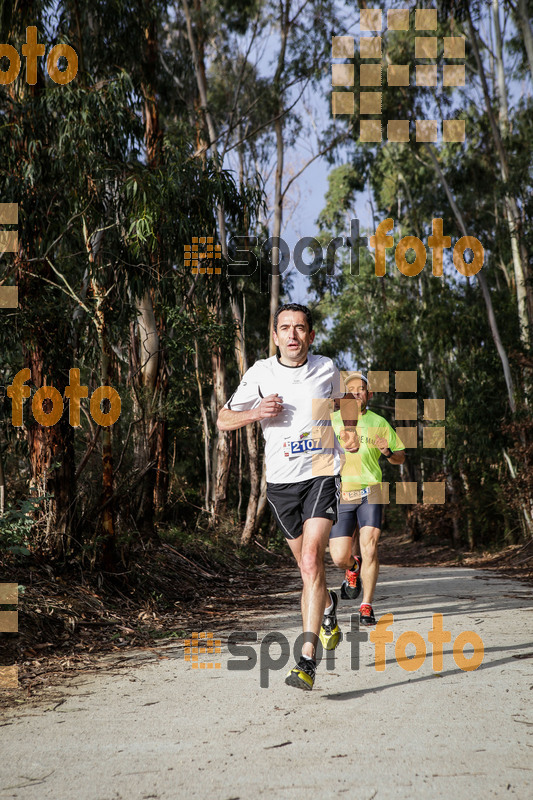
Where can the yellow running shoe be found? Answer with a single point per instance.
(330, 633)
(302, 675)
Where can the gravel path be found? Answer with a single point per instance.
(159, 728)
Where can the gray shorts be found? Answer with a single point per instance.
(351, 515)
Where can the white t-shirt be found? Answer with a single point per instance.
(296, 449)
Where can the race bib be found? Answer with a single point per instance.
(356, 494)
(299, 447)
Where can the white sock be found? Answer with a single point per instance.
(329, 609)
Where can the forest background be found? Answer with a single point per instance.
(201, 118)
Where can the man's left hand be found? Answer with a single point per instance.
(383, 445)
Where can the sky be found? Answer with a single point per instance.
(307, 195)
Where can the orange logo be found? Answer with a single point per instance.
(31, 50)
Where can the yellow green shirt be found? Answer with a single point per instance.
(362, 469)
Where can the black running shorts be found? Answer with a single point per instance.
(293, 503)
(351, 515)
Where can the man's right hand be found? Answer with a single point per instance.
(229, 420)
(350, 440)
(270, 406)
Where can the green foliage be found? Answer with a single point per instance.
(16, 525)
(75, 162)
(344, 182)
(105, 213)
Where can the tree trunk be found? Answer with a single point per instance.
(2, 485)
(525, 27)
(276, 234)
(154, 448)
(50, 448)
(483, 286)
(456, 528)
(250, 431)
(206, 428)
(51, 456)
(469, 517)
(221, 454)
(526, 514)
(250, 525)
(284, 21)
(221, 461)
(262, 502)
(284, 6)
(93, 245)
(518, 245)
(160, 454)
(511, 206)
(145, 358)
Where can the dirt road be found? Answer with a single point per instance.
(163, 729)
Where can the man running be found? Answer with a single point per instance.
(360, 498)
(284, 393)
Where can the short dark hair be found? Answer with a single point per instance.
(293, 307)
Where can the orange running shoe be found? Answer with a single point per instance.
(366, 614)
(351, 585)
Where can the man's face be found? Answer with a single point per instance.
(293, 337)
(358, 389)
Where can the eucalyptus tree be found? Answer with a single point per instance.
(461, 183)
(99, 226)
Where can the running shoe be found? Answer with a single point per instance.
(366, 614)
(302, 675)
(330, 634)
(351, 585)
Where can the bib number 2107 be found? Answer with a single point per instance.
(298, 447)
